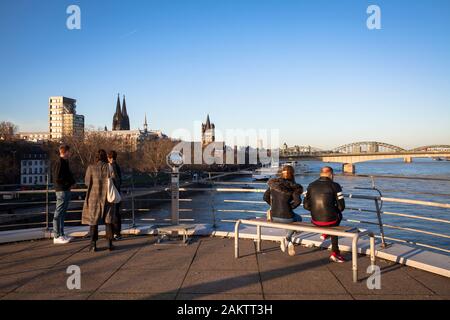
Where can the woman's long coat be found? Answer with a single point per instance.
(94, 208)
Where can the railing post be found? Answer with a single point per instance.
(211, 194)
(47, 206)
(132, 201)
(380, 223)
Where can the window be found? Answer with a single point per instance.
(30, 180)
(24, 180)
(40, 179)
(30, 171)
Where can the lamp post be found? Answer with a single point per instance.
(175, 161)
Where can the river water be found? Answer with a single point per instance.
(423, 179)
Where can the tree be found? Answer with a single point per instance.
(152, 156)
(7, 131)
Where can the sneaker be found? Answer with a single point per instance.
(67, 238)
(324, 237)
(291, 249)
(335, 257)
(283, 245)
(117, 237)
(60, 240)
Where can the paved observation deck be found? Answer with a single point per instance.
(205, 269)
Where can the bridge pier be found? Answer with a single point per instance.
(408, 159)
(348, 168)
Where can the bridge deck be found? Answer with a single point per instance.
(203, 270)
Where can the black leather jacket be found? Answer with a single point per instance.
(283, 196)
(325, 200)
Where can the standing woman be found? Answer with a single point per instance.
(116, 175)
(94, 208)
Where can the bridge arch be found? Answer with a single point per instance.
(434, 147)
(367, 147)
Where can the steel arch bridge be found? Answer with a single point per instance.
(435, 147)
(368, 147)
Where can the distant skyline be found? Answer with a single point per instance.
(311, 69)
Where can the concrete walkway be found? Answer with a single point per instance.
(206, 269)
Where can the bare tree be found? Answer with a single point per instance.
(152, 156)
(7, 131)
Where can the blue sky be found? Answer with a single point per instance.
(309, 68)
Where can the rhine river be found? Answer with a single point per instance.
(424, 179)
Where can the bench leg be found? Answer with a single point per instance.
(236, 239)
(258, 238)
(372, 249)
(355, 258)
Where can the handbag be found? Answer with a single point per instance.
(113, 194)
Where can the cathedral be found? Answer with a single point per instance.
(120, 118)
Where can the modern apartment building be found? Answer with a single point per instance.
(63, 118)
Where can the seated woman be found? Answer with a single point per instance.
(283, 196)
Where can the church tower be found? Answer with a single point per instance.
(208, 132)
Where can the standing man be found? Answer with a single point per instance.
(325, 201)
(117, 220)
(63, 181)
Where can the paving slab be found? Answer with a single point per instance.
(438, 284)
(397, 297)
(132, 296)
(220, 256)
(271, 258)
(303, 282)
(55, 281)
(219, 296)
(308, 297)
(12, 281)
(394, 281)
(144, 281)
(46, 296)
(163, 257)
(235, 282)
(36, 263)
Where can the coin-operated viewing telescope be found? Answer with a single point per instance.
(175, 161)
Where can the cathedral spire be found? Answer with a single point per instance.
(125, 118)
(208, 122)
(145, 123)
(117, 118)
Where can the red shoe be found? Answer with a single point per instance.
(336, 257)
(324, 237)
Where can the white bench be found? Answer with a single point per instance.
(346, 232)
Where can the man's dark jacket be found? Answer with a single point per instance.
(325, 200)
(62, 176)
(283, 196)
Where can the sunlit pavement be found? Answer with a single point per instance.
(206, 269)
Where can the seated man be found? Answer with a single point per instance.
(325, 201)
(283, 196)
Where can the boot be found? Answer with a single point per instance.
(110, 245)
(93, 247)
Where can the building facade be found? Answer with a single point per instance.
(34, 169)
(208, 132)
(34, 136)
(63, 118)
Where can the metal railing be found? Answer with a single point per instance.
(211, 188)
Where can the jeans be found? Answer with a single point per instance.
(62, 203)
(334, 239)
(289, 233)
